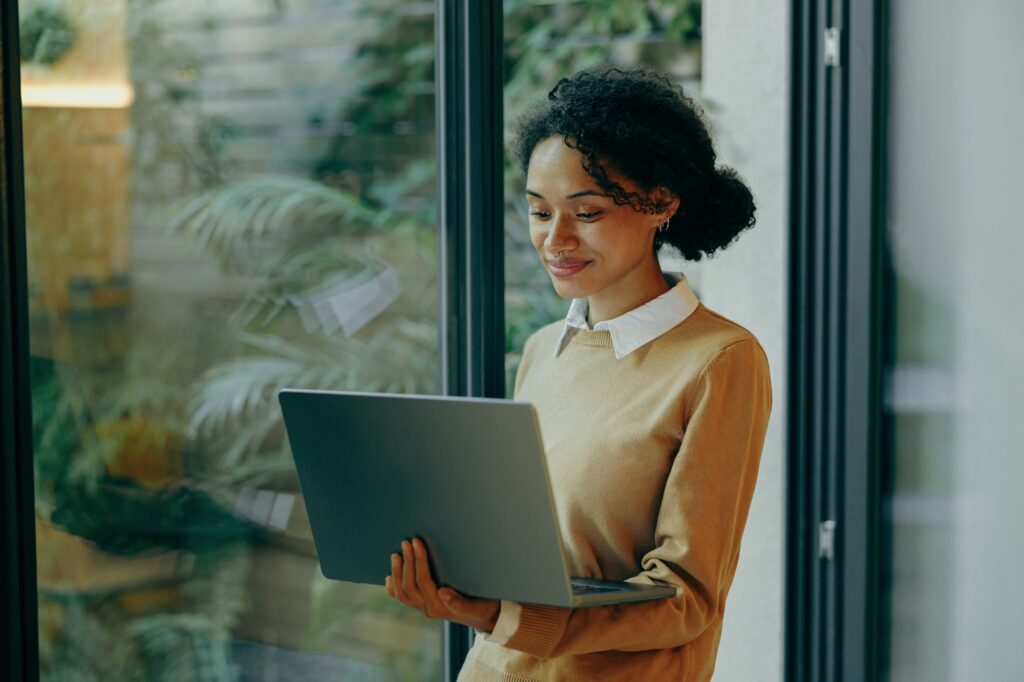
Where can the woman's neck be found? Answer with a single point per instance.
(631, 291)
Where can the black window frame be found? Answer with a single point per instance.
(833, 609)
(470, 103)
(18, 603)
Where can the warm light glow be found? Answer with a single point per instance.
(78, 96)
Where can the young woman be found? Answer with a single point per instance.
(653, 408)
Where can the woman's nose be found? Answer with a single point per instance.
(562, 234)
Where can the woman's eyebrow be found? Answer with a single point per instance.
(586, 192)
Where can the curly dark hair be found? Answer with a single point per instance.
(641, 124)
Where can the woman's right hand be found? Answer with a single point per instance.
(410, 582)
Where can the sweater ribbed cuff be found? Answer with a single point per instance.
(540, 628)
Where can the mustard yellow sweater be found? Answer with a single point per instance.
(653, 460)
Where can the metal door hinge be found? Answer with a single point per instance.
(831, 46)
(827, 539)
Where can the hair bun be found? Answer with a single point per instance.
(712, 218)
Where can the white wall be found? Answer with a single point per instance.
(745, 66)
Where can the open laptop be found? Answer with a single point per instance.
(467, 475)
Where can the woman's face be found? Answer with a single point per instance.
(607, 247)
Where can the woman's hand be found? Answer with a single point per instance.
(410, 582)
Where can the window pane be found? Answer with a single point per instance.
(223, 199)
(953, 466)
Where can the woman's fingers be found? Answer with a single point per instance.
(409, 575)
(410, 582)
(425, 582)
(396, 581)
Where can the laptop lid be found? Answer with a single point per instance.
(465, 474)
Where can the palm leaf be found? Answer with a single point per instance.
(239, 396)
(244, 212)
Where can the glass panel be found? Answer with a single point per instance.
(919, 394)
(951, 493)
(223, 199)
(545, 41)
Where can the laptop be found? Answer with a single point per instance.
(467, 475)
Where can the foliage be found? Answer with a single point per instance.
(46, 35)
(292, 237)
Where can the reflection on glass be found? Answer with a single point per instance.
(223, 199)
(545, 41)
(921, 396)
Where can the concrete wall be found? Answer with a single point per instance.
(746, 78)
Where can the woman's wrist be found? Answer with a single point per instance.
(494, 619)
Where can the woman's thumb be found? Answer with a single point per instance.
(450, 599)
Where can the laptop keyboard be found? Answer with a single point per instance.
(593, 589)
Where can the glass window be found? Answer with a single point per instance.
(223, 199)
(953, 460)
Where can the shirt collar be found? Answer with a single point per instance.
(639, 326)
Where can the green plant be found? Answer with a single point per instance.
(46, 35)
(308, 238)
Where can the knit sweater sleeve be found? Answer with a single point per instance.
(699, 523)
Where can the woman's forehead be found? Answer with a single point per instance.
(556, 171)
(553, 156)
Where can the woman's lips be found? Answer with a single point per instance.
(566, 268)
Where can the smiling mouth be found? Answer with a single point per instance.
(566, 268)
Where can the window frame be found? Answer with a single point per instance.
(18, 603)
(469, 77)
(833, 609)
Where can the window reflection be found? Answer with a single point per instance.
(223, 199)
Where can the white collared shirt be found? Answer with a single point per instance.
(639, 326)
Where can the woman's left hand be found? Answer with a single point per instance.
(410, 582)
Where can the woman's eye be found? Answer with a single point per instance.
(582, 216)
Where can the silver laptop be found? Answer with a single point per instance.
(467, 475)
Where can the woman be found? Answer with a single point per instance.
(653, 408)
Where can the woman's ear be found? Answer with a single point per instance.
(666, 198)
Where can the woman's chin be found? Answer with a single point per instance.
(569, 290)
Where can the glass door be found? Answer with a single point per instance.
(222, 199)
(951, 488)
